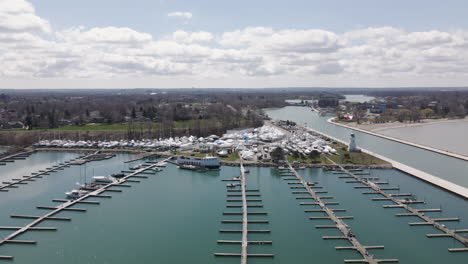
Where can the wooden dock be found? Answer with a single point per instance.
(399, 203)
(244, 242)
(338, 224)
(66, 205)
(17, 156)
(13, 183)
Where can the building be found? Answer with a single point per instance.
(352, 144)
(206, 162)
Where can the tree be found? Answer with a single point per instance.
(314, 154)
(427, 113)
(277, 154)
(133, 113)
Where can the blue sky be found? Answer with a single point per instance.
(219, 16)
(256, 43)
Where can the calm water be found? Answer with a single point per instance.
(3, 149)
(449, 136)
(442, 166)
(174, 217)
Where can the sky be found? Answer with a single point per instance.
(232, 44)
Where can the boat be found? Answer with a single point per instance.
(107, 179)
(136, 167)
(231, 185)
(89, 186)
(118, 175)
(75, 194)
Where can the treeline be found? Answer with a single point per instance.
(52, 110)
(413, 106)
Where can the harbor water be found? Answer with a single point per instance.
(174, 217)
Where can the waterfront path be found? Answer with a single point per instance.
(441, 183)
(443, 152)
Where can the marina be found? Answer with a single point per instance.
(299, 243)
(339, 224)
(66, 205)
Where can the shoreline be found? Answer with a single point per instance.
(424, 176)
(443, 152)
(395, 125)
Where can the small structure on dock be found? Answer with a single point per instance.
(352, 144)
(206, 162)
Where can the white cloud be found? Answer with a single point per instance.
(19, 16)
(107, 35)
(186, 37)
(186, 15)
(252, 53)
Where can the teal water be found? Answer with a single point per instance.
(174, 217)
(445, 167)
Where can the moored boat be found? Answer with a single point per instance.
(106, 179)
(75, 194)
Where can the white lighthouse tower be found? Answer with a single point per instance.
(352, 144)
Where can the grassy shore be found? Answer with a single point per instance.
(343, 156)
(122, 126)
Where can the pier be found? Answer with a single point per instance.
(66, 205)
(13, 183)
(338, 223)
(17, 156)
(398, 203)
(244, 242)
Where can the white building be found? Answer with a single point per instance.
(352, 144)
(206, 162)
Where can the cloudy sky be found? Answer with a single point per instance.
(242, 43)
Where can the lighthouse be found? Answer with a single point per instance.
(352, 144)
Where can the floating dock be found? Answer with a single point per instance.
(244, 242)
(26, 179)
(338, 224)
(398, 203)
(65, 206)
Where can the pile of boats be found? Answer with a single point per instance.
(250, 143)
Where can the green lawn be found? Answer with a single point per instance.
(346, 157)
(342, 157)
(122, 126)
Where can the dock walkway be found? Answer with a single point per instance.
(66, 205)
(244, 221)
(27, 179)
(398, 203)
(16, 156)
(338, 223)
